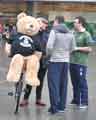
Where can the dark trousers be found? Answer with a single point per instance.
(41, 75)
(57, 84)
(79, 83)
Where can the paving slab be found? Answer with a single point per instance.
(33, 112)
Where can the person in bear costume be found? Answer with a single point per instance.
(25, 51)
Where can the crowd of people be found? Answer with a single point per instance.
(63, 50)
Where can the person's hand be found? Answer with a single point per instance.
(89, 49)
(7, 49)
(7, 35)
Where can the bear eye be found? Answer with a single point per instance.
(31, 26)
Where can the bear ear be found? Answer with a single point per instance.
(21, 15)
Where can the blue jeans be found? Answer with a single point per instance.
(79, 83)
(57, 84)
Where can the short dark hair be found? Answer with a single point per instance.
(44, 18)
(82, 20)
(60, 19)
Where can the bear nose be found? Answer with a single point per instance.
(31, 26)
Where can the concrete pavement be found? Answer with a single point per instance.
(32, 112)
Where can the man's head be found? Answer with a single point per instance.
(79, 22)
(58, 20)
(43, 23)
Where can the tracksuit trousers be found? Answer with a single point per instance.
(57, 84)
(79, 83)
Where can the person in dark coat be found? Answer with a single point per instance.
(43, 37)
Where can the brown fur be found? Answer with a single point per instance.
(31, 71)
(32, 67)
(15, 68)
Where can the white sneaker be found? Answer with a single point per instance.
(60, 111)
(83, 107)
(72, 104)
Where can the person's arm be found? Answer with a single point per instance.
(86, 48)
(73, 44)
(50, 43)
(7, 48)
(38, 49)
(9, 40)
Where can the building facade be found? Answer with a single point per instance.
(9, 9)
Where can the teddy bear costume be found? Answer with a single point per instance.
(25, 51)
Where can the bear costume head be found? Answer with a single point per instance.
(27, 25)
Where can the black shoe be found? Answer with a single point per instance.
(39, 103)
(73, 102)
(50, 110)
(54, 112)
(24, 103)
